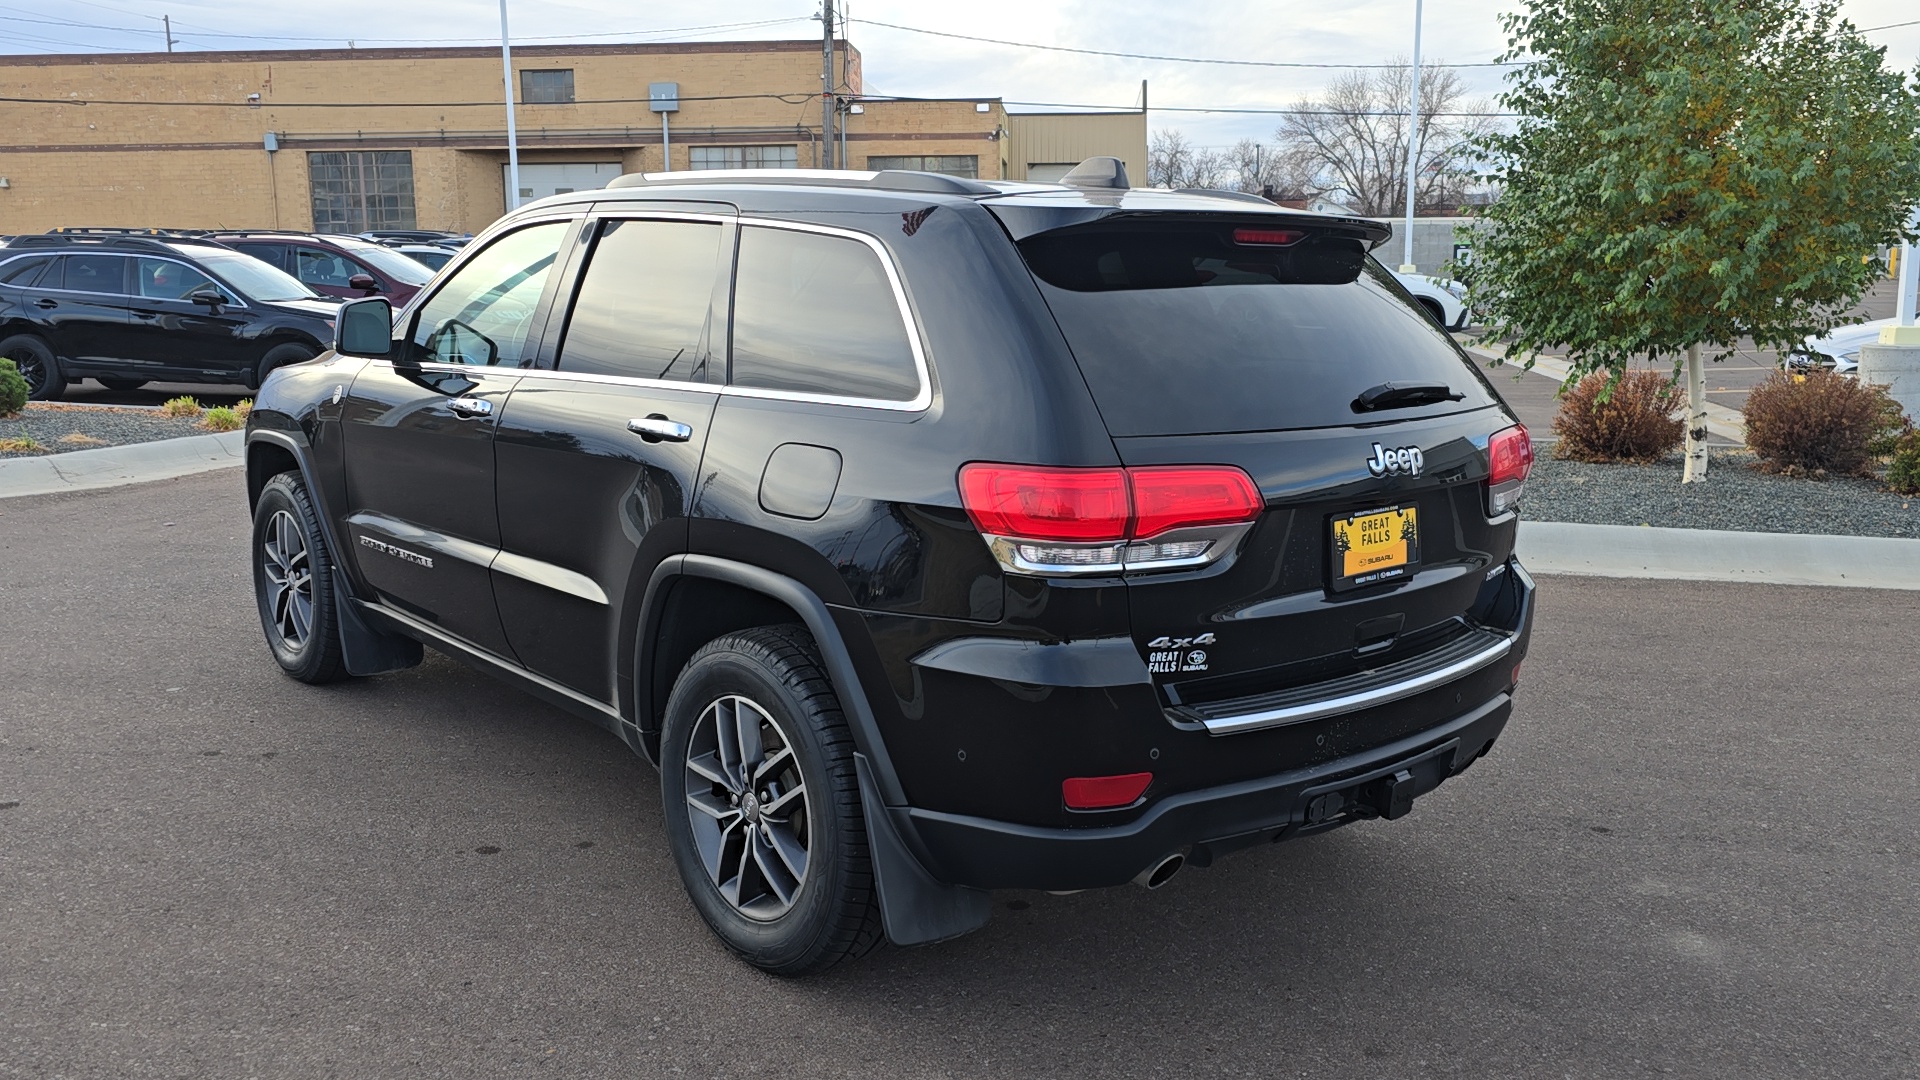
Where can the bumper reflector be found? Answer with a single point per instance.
(1104, 792)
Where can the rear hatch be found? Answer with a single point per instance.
(1276, 345)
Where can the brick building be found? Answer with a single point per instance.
(352, 139)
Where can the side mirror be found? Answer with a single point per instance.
(212, 298)
(364, 328)
(364, 282)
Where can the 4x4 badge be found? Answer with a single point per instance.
(1404, 459)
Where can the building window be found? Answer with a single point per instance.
(743, 157)
(358, 190)
(553, 87)
(967, 165)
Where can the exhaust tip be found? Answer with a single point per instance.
(1161, 872)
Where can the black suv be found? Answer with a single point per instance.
(128, 310)
(932, 536)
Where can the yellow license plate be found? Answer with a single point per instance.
(1375, 546)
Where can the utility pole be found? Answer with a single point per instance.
(513, 144)
(826, 84)
(1413, 142)
(166, 24)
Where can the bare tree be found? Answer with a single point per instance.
(1172, 162)
(1353, 140)
(1275, 172)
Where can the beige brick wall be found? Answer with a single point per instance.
(171, 139)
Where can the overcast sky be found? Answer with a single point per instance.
(899, 61)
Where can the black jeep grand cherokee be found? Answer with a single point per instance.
(932, 536)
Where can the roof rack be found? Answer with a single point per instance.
(150, 242)
(109, 230)
(884, 180)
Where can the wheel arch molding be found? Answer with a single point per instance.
(367, 651)
(915, 907)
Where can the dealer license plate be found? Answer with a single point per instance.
(1375, 546)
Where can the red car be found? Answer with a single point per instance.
(343, 266)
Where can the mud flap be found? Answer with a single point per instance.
(915, 908)
(368, 651)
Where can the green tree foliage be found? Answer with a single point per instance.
(1688, 172)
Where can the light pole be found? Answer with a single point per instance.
(1413, 141)
(513, 146)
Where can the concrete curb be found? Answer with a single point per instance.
(1626, 551)
(112, 466)
(1722, 421)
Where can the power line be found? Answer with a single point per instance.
(1889, 26)
(1168, 59)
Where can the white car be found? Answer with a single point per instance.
(432, 256)
(1841, 348)
(1442, 297)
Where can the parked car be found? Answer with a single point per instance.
(931, 535)
(126, 310)
(1443, 298)
(1839, 349)
(431, 256)
(343, 266)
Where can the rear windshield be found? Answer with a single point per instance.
(1191, 328)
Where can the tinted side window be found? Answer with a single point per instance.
(481, 315)
(23, 271)
(164, 279)
(817, 314)
(644, 303)
(95, 274)
(319, 267)
(274, 255)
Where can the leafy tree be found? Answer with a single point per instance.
(1687, 172)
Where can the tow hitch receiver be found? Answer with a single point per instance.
(1388, 793)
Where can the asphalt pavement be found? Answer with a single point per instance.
(1693, 853)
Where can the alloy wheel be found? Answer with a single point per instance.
(747, 805)
(28, 364)
(288, 569)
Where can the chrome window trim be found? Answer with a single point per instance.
(589, 377)
(83, 292)
(1365, 699)
(921, 400)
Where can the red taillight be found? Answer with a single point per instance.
(1029, 503)
(1268, 237)
(1509, 459)
(1047, 504)
(1176, 496)
(1511, 454)
(1104, 792)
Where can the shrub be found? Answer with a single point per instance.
(244, 409)
(1903, 468)
(22, 445)
(80, 439)
(1819, 423)
(13, 389)
(222, 419)
(184, 407)
(1625, 419)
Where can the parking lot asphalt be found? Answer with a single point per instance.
(1693, 853)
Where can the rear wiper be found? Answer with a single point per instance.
(1400, 396)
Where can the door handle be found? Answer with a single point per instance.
(470, 407)
(657, 428)
(45, 304)
(146, 314)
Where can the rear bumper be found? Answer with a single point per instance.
(987, 854)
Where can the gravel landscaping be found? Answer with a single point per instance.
(59, 428)
(1735, 496)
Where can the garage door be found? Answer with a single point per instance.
(537, 181)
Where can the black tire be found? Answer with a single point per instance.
(1434, 311)
(37, 364)
(830, 911)
(123, 385)
(306, 643)
(280, 356)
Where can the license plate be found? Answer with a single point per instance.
(1375, 546)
